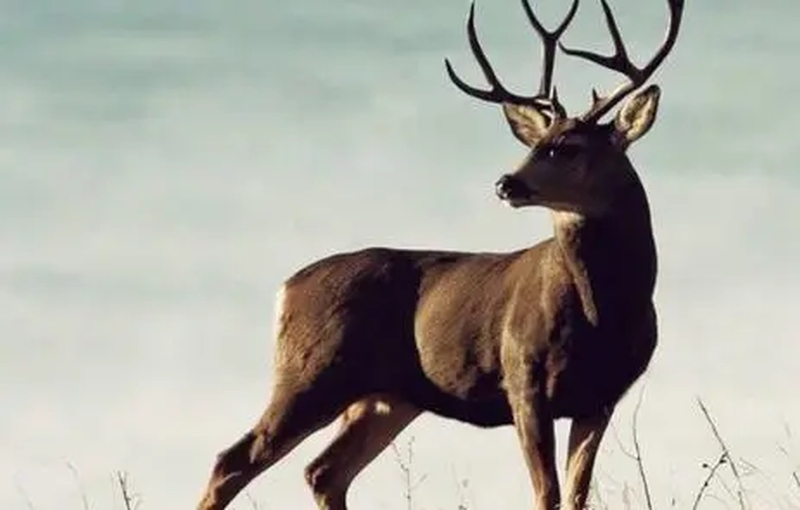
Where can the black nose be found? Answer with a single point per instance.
(509, 187)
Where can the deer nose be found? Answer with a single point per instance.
(509, 187)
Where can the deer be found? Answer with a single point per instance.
(558, 330)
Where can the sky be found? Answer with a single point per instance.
(165, 164)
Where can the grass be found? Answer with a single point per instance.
(724, 483)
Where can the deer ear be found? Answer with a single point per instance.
(528, 124)
(637, 116)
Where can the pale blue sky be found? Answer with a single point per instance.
(164, 164)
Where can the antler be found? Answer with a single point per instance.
(621, 63)
(498, 93)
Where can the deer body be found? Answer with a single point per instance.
(559, 330)
(440, 322)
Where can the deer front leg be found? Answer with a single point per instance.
(585, 435)
(535, 428)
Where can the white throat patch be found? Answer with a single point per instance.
(567, 219)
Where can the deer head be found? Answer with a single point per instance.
(575, 164)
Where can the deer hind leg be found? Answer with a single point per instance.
(367, 428)
(290, 418)
(584, 440)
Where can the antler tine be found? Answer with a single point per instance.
(621, 62)
(497, 93)
(549, 41)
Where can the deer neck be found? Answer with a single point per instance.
(611, 259)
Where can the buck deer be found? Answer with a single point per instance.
(558, 330)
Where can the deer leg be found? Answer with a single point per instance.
(289, 419)
(368, 426)
(584, 440)
(536, 432)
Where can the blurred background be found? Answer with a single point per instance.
(165, 164)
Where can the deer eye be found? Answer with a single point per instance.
(564, 150)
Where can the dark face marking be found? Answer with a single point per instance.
(574, 167)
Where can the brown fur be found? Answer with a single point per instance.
(558, 330)
(463, 335)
